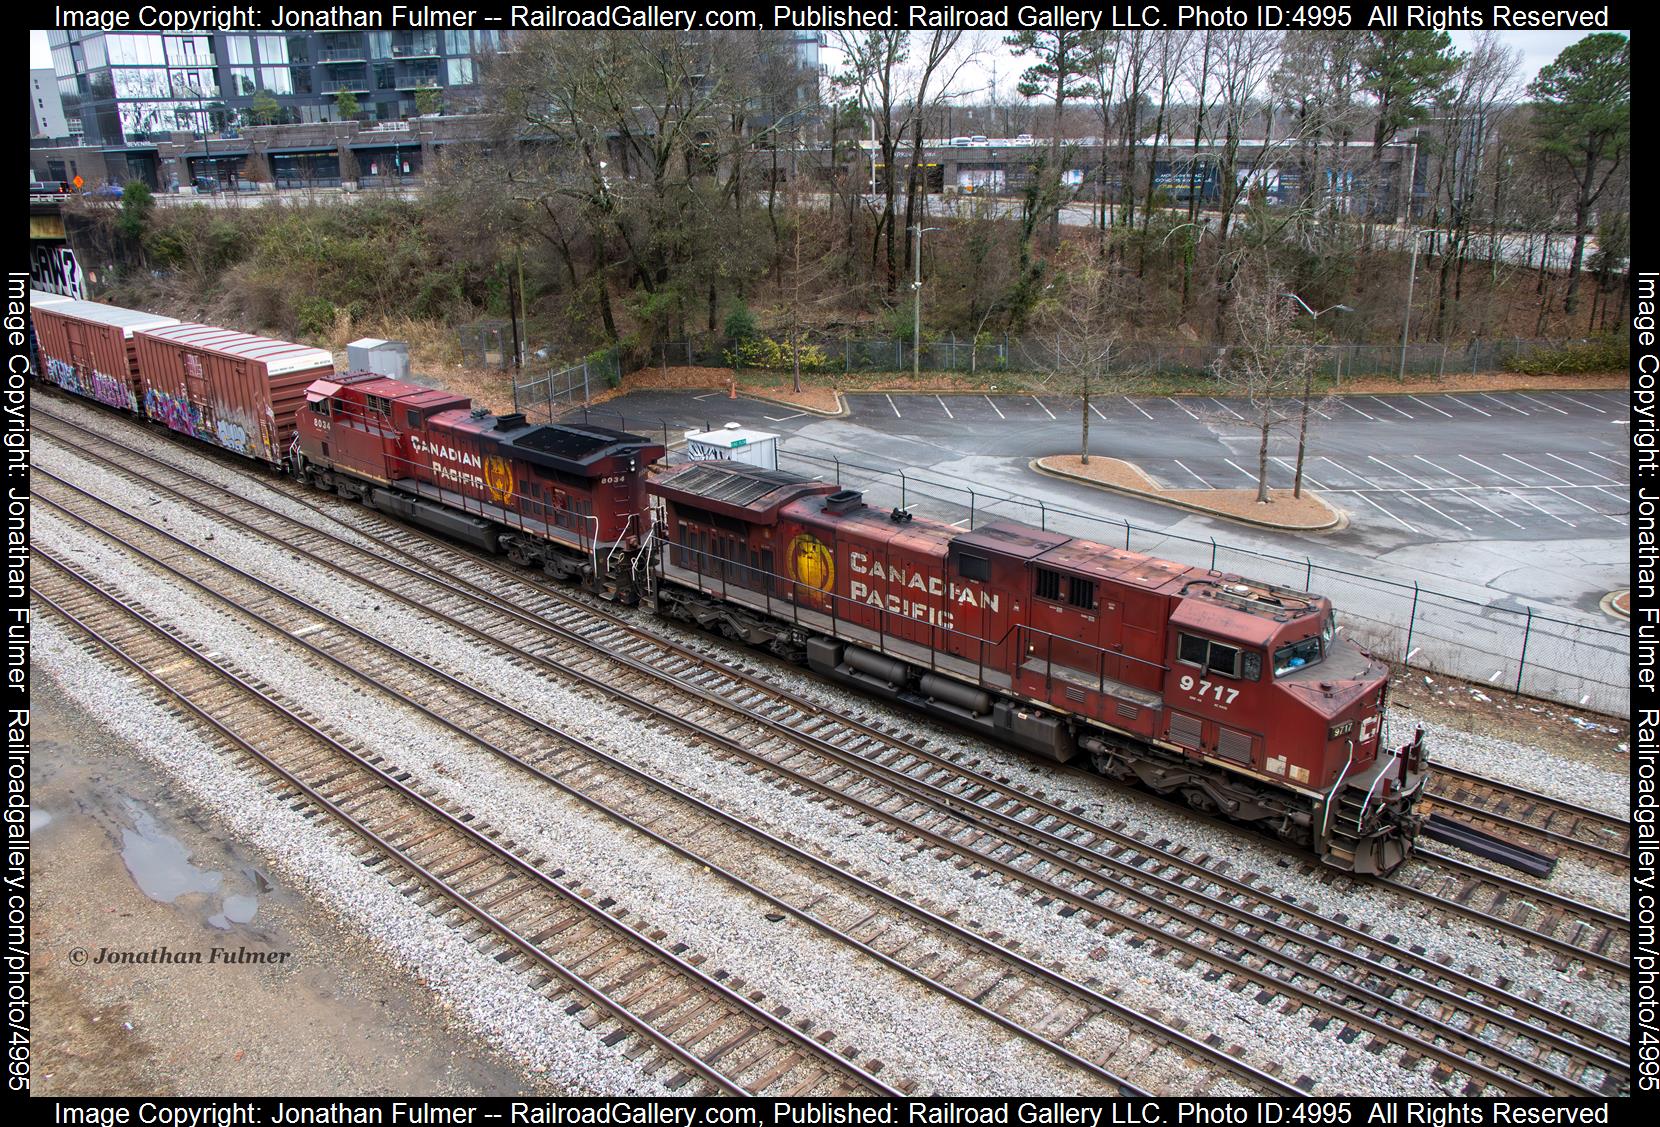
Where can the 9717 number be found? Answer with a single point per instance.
(1208, 689)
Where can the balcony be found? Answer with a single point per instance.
(343, 55)
(357, 85)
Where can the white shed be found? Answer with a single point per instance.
(734, 443)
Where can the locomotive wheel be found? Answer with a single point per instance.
(1199, 800)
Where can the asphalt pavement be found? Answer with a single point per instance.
(1508, 498)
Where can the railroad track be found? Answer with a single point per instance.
(636, 992)
(1155, 893)
(1531, 818)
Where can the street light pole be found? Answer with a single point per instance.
(916, 305)
(1308, 393)
(1406, 314)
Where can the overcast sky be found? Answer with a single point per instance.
(1538, 48)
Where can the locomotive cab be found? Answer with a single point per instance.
(1250, 659)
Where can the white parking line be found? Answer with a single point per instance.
(1438, 512)
(1240, 468)
(1471, 406)
(1097, 410)
(1228, 409)
(1587, 469)
(1351, 473)
(1381, 509)
(1308, 477)
(944, 408)
(1613, 492)
(1391, 406)
(1536, 469)
(1431, 406)
(1583, 505)
(1403, 473)
(1502, 403)
(784, 418)
(1202, 481)
(1046, 410)
(896, 413)
(1541, 508)
(1355, 409)
(1580, 402)
(1137, 406)
(1479, 505)
(1190, 414)
(1501, 473)
(1606, 458)
(1541, 403)
(1448, 472)
(708, 395)
(996, 408)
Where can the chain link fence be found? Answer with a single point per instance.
(1038, 354)
(560, 390)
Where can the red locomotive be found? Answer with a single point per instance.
(1239, 696)
(567, 499)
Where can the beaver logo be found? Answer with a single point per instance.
(498, 475)
(811, 562)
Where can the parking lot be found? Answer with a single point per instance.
(1512, 465)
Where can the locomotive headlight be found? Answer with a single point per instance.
(1338, 731)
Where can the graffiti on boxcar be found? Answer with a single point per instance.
(232, 435)
(176, 412)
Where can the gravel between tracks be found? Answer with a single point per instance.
(497, 1003)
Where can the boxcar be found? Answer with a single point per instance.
(227, 388)
(87, 348)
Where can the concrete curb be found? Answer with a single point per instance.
(841, 410)
(1339, 519)
(1610, 605)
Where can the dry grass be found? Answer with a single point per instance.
(1282, 510)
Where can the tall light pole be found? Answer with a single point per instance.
(1406, 313)
(916, 290)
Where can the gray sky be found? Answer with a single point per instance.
(1538, 48)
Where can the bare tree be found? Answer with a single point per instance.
(1269, 363)
(1086, 315)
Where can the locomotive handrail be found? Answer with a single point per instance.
(1325, 820)
(1371, 790)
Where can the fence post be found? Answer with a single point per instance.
(1043, 516)
(585, 396)
(836, 459)
(1212, 551)
(847, 359)
(1441, 374)
(1521, 661)
(971, 510)
(1308, 576)
(1126, 536)
(1411, 622)
(902, 484)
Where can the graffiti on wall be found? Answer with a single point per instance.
(52, 267)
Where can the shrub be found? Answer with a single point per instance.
(1603, 354)
(769, 353)
(741, 325)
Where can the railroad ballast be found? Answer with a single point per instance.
(1238, 697)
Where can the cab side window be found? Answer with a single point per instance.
(1218, 657)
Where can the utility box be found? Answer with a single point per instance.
(388, 358)
(734, 444)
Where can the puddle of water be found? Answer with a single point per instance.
(38, 820)
(234, 909)
(160, 866)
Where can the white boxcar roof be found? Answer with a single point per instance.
(278, 356)
(125, 319)
(42, 297)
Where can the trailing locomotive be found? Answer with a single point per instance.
(567, 499)
(1240, 697)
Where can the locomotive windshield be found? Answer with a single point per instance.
(1309, 651)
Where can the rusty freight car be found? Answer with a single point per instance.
(88, 348)
(226, 388)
